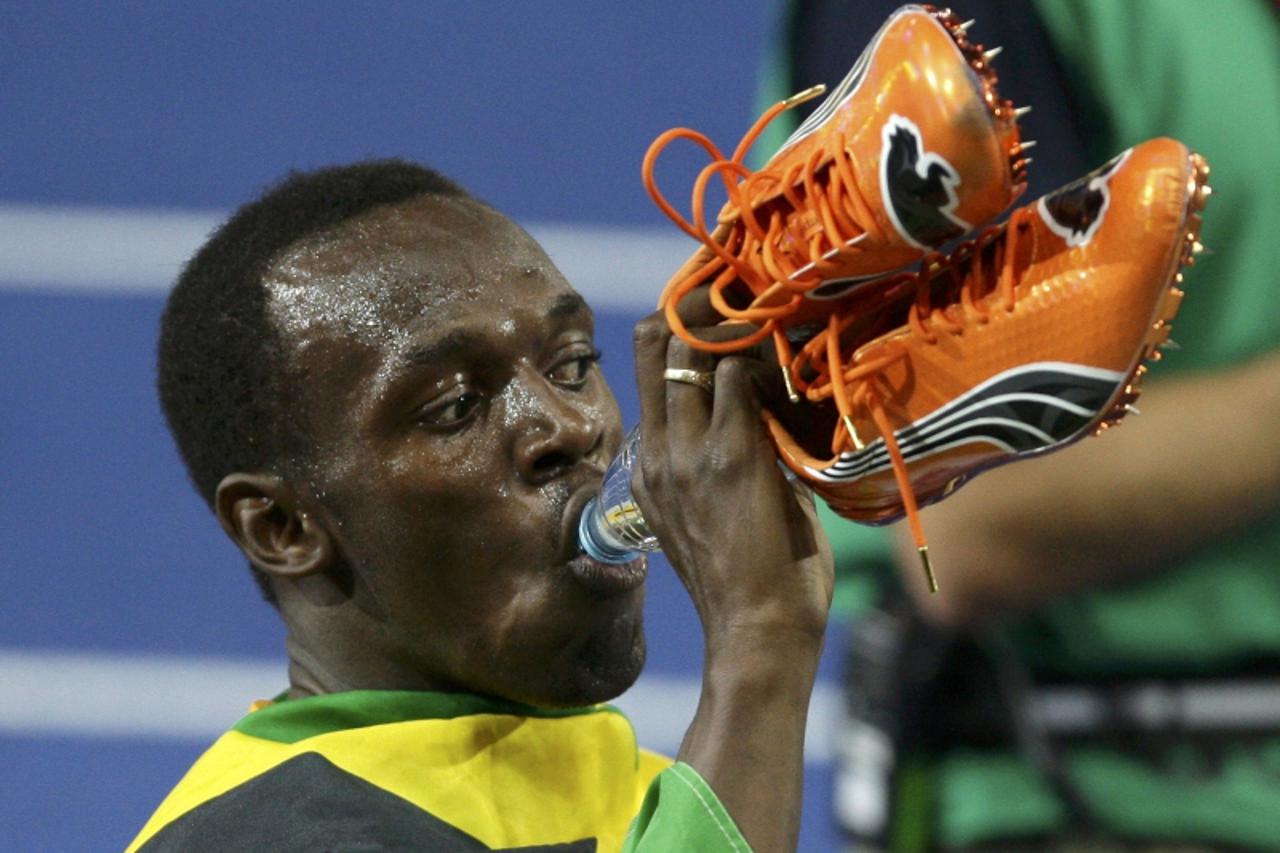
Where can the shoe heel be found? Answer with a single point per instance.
(1198, 192)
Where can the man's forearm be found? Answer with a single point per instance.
(1202, 460)
(747, 738)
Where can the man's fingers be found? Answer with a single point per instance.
(688, 403)
(694, 309)
(650, 340)
(769, 382)
(735, 416)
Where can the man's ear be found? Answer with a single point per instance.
(263, 515)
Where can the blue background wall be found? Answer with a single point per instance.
(123, 605)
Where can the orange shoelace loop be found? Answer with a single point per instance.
(970, 267)
(856, 383)
(724, 276)
(725, 170)
(650, 183)
(720, 165)
(779, 256)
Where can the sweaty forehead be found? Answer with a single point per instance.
(372, 278)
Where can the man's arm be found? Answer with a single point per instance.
(1202, 460)
(748, 548)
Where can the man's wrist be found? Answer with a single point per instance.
(758, 658)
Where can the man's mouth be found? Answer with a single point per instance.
(600, 578)
(609, 579)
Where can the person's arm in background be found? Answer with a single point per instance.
(1201, 461)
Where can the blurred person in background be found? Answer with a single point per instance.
(1100, 668)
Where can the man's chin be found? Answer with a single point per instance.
(598, 675)
(610, 682)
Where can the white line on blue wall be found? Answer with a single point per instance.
(140, 251)
(116, 251)
(195, 699)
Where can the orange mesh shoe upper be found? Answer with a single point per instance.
(1021, 341)
(913, 149)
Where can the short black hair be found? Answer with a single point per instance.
(220, 362)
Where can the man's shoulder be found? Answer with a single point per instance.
(288, 776)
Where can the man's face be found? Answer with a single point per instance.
(460, 423)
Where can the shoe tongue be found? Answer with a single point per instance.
(979, 272)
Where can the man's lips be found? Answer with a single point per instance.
(609, 579)
(600, 578)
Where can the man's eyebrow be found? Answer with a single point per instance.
(448, 344)
(567, 305)
(456, 340)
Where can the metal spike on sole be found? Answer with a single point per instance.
(1158, 339)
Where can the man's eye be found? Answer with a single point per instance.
(573, 371)
(450, 413)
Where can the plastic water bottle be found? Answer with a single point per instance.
(612, 528)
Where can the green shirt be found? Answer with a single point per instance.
(1207, 73)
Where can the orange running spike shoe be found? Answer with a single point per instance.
(1020, 342)
(913, 148)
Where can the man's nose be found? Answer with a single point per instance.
(559, 429)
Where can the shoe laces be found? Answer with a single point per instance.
(814, 220)
(979, 276)
(778, 254)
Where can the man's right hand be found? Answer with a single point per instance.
(746, 544)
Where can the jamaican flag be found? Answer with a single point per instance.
(391, 770)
